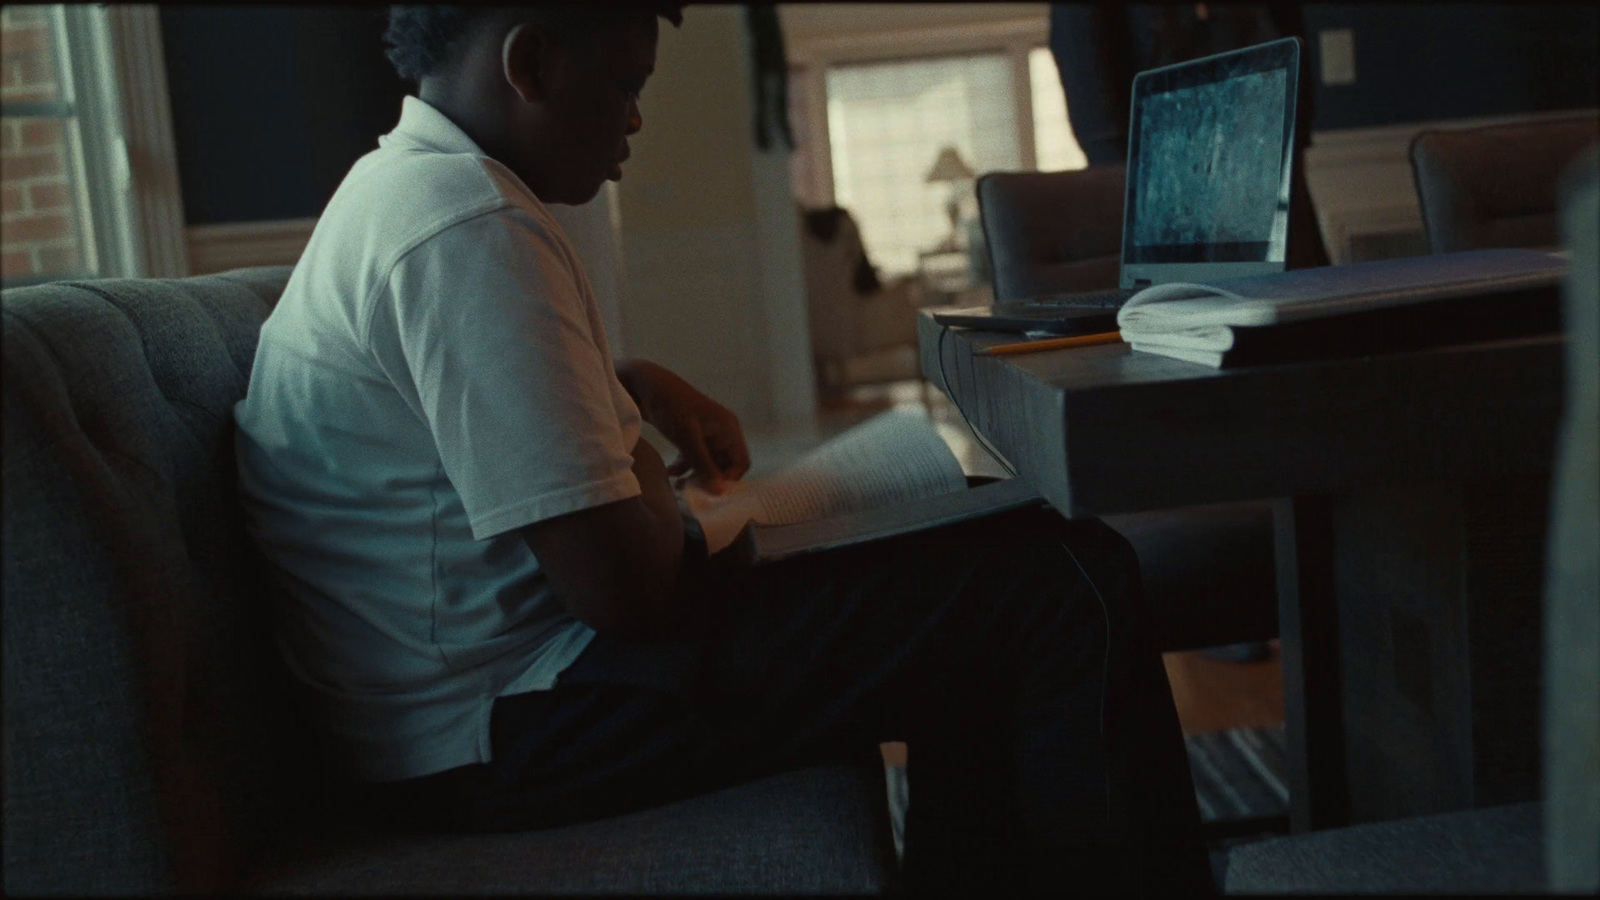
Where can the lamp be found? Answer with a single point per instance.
(949, 168)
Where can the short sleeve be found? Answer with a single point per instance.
(485, 328)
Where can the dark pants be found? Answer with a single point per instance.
(1009, 653)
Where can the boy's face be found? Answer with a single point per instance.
(593, 108)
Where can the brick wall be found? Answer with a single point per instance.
(38, 233)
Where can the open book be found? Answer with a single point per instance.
(1202, 322)
(891, 475)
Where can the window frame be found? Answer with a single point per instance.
(810, 58)
(117, 118)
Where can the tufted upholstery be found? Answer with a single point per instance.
(1496, 186)
(130, 594)
(152, 737)
(811, 831)
(1052, 231)
(1480, 851)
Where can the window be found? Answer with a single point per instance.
(84, 93)
(887, 121)
(1055, 147)
(46, 234)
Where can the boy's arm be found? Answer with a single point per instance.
(616, 566)
(708, 436)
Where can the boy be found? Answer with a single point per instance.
(491, 588)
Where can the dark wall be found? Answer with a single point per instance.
(1420, 62)
(272, 105)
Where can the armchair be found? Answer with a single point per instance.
(862, 330)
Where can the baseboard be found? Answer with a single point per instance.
(235, 245)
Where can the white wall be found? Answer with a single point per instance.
(712, 281)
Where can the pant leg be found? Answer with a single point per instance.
(997, 649)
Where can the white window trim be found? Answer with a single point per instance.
(1013, 37)
(129, 175)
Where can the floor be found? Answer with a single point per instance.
(1211, 695)
(1215, 695)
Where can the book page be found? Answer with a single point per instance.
(768, 543)
(892, 458)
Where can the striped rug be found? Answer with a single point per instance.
(1239, 774)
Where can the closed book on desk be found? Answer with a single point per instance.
(1352, 309)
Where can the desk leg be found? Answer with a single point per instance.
(1308, 628)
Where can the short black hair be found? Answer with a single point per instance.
(420, 39)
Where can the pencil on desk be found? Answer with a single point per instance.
(1082, 340)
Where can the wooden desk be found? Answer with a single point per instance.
(1412, 492)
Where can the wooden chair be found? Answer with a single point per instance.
(1052, 231)
(862, 330)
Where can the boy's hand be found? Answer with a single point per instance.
(708, 437)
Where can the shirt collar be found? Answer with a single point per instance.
(422, 127)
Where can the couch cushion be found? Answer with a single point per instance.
(138, 733)
(1493, 850)
(821, 830)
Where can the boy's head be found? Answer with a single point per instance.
(549, 90)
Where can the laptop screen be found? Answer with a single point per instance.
(1210, 150)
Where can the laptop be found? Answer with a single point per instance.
(1210, 151)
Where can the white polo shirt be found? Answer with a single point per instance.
(435, 376)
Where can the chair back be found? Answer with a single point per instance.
(1049, 232)
(1572, 586)
(149, 732)
(1495, 186)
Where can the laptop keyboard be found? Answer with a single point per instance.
(1112, 299)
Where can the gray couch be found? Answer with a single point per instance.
(154, 743)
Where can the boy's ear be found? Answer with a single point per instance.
(526, 61)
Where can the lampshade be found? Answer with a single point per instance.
(949, 167)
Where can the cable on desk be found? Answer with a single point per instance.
(945, 383)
